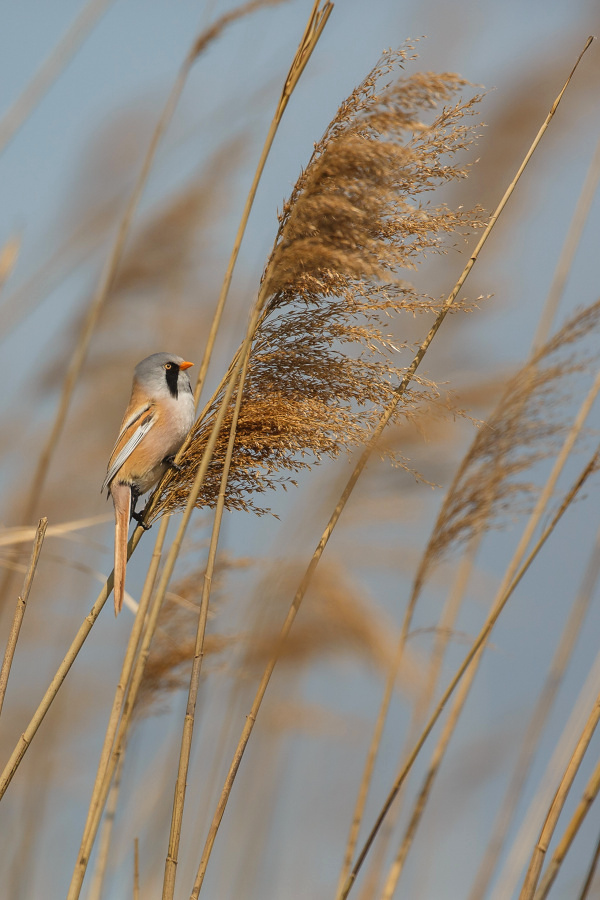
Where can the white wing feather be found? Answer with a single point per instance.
(135, 415)
(129, 447)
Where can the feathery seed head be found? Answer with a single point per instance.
(323, 362)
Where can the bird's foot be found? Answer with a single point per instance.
(170, 462)
(139, 518)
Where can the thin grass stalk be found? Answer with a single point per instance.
(569, 248)
(363, 459)
(221, 743)
(449, 614)
(572, 629)
(463, 576)
(22, 535)
(467, 681)
(136, 869)
(367, 773)
(539, 852)
(365, 782)
(478, 643)
(454, 603)
(118, 701)
(13, 637)
(118, 750)
(238, 364)
(103, 855)
(509, 881)
(372, 877)
(239, 752)
(537, 722)
(50, 69)
(589, 795)
(443, 632)
(61, 673)
(425, 789)
(316, 23)
(312, 33)
(446, 624)
(188, 725)
(591, 872)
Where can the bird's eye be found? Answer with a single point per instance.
(168, 366)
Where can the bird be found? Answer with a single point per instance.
(159, 416)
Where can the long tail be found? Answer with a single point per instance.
(121, 494)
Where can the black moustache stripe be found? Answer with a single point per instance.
(172, 378)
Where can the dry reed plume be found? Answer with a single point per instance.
(488, 487)
(322, 365)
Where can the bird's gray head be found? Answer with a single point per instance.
(163, 370)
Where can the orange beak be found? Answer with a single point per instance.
(185, 365)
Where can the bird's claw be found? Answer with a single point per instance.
(139, 518)
(170, 462)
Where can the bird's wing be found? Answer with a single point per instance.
(142, 429)
(131, 419)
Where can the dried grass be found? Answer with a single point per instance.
(322, 365)
(489, 487)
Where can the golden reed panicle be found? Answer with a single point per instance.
(322, 366)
